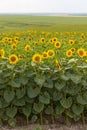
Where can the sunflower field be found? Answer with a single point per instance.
(43, 74)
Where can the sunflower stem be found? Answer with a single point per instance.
(52, 115)
(83, 118)
(41, 118)
(27, 119)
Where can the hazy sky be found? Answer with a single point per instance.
(34, 6)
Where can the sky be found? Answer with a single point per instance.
(43, 6)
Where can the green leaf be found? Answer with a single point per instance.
(76, 78)
(38, 107)
(72, 89)
(76, 118)
(60, 85)
(4, 103)
(69, 113)
(9, 66)
(57, 96)
(20, 102)
(9, 95)
(33, 92)
(20, 93)
(2, 81)
(29, 100)
(59, 109)
(6, 74)
(82, 99)
(12, 122)
(48, 110)
(2, 111)
(44, 98)
(48, 84)
(65, 77)
(34, 118)
(2, 86)
(24, 80)
(15, 84)
(66, 103)
(27, 110)
(77, 109)
(40, 80)
(11, 112)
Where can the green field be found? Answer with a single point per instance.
(42, 23)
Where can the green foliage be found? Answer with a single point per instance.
(38, 107)
(35, 89)
(33, 92)
(11, 112)
(27, 110)
(59, 109)
(66, 103)
(77, 109)
(36, 93)
(9, 95)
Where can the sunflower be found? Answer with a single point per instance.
(69, 53)
(51, 53)
(9, 39)
(56, 33)
(81, 52)
(71, 42)
(35, 43)
(13, 59)
(5, 40)
(82, 35)
(57, 44)
(42, 39)
(20, 57)
(27, 48)
(14, 46)
(72, 49)
(85, 53)
(37, 58)
(45, 55)
(2, 53)
(55, 39)
(16, 38)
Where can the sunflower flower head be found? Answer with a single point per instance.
(85, 53)
(69, 53)
(57, 44)
(2, 53)
(51, 53)
(45, 55)
(37, 58)
(35, 43)
(50, 40)
(81, 52)
(27, 48)
(20, 57)
(14, 46)
(42, 40)
(55, 39)
(82, 35)
(13, 59)
(73, 50)
(71, 42)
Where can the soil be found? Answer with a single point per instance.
(76, 126)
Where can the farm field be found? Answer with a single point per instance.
(43, 70)
(42, 23)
